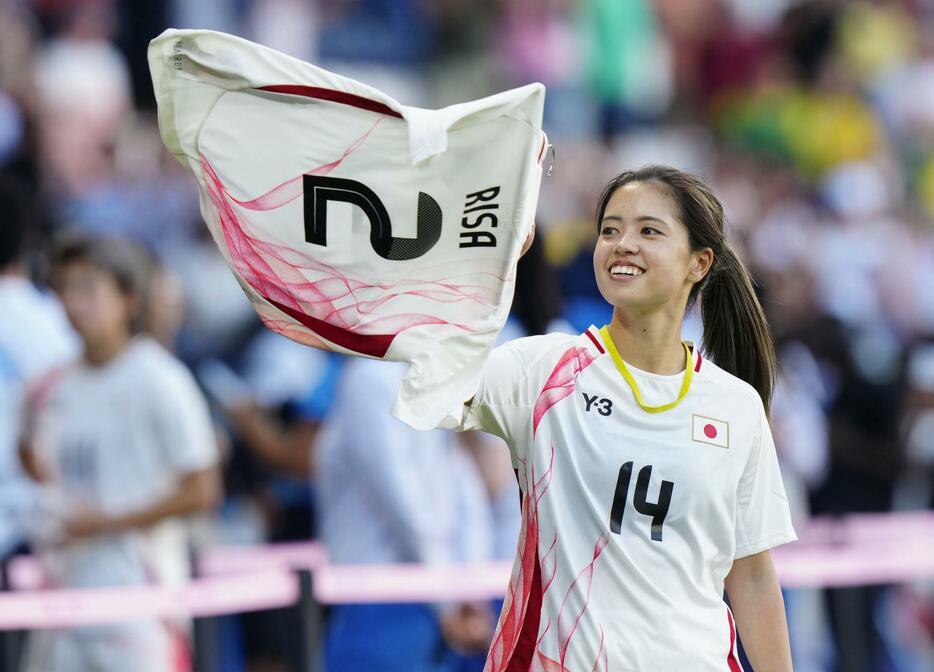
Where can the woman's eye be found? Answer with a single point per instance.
(608, 230)
(648, 230)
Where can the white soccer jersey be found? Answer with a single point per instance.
(34, 337)
(631, 520)
(352, 222)
(117, 438)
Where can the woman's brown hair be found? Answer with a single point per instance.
(736, 334)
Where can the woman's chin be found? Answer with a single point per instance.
(618, 295)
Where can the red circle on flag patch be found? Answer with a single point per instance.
(710, 431)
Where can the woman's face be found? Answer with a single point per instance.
(643, 259)
(93, 302)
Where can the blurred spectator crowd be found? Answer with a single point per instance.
(813, 120)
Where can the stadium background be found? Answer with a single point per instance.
(814, 121)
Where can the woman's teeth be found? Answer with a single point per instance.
(626, 270)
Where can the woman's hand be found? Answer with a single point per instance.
(467, 628)
(85, 525)
(34, 467)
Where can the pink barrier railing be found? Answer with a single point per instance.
(293, 555)
(211, 596)
(855, 550)
(346, 584)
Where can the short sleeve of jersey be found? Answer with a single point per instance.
(763, 518)
(182, 421)
(512, 379)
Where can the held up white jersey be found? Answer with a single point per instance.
(352, 222)
(631, 520)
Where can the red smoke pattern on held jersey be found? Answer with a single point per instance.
(278, 273)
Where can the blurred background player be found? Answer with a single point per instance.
(385, 494)
(34, 337)
(391, 494)
(121, 443)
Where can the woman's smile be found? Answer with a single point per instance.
(622, 272)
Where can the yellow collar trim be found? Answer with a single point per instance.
(627, 375)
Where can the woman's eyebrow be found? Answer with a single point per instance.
(640, 218)
(650, 218)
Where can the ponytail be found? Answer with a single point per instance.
(736, 334)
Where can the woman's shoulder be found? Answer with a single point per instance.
(533, 347)
(150, 361)
(729, 386)
(535, 356)
(515, 371)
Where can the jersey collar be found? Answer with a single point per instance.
(689, 368)
(593, 333)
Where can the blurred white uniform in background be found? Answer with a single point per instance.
(116, 439)
(34, 337)
(392, 494)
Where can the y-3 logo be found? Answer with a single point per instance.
(603, 406)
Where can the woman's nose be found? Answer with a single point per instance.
(626, 243)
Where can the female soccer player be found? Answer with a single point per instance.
(121, 441)
(649, 476)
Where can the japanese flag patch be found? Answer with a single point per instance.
(710, 430)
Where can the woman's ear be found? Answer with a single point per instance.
(701, 261)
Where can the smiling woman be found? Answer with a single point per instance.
(649, 477)
(670, 220)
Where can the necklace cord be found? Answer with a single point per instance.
(634, 386)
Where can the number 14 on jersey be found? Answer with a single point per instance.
(656, 510)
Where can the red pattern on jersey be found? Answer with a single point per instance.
(560, 383)
(731, 659)
(182, 660)
(569, 618)
(545, 664)
(335, 96)
(513, 650)
(570, 614)
(595, 341)
(523, 591)
(525, 644)
(601, 664)
(550, 564)
(276, 272)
